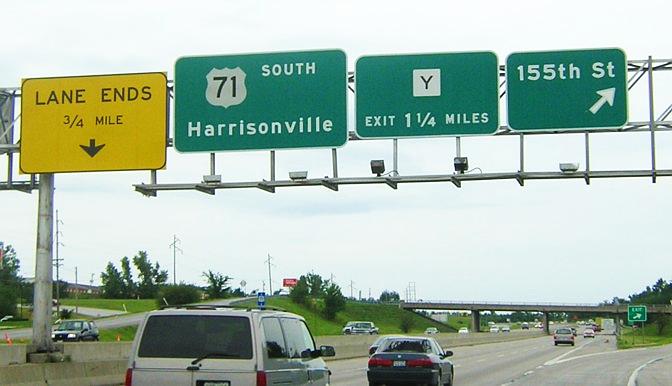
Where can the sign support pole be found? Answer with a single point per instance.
(395, 158)
(43, 266)
(652, 122)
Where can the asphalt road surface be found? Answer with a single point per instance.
(538, 362)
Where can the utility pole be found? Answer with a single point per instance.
(76, 293)
(352, 283)
(270, 283)
(57, 264)
(175, 249)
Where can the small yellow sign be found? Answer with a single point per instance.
(94, 123)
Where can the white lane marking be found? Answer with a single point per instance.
(632, 381)
(456, 366)
(525, 374)
(540, 367)
(595, 354)
(558, 358)
(481, 360)
(500, 356)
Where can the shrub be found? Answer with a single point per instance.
(406, 322)
(177, 294)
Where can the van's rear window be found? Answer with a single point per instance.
(193, 336)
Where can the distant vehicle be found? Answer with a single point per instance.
(505, 329)
(229, 346)
(494, 329)
(75, 331)
(411, 360)
(359, 327)
(463, 330)
(596, 327)
(563, 335)
(588, 333)
(431, 330)
(524, 326)
(538, 325)
(573, 330)
(6, 317)
(374, 346)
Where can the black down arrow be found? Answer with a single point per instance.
(92, 149)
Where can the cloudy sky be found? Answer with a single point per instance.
(549, 241)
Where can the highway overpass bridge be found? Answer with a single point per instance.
(617, 311)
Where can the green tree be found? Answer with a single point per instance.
(10, 281)
(150, 276)
(112, 282)
(334, 301)
(316, 285)
(389, 296)
(406, 322)
(299, 294)
(217, 285)
(128, 286)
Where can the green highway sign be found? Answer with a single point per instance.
(636, 313)
(566, 89)
(447, 94)
(261, 101)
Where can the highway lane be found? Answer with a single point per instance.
(492, 364)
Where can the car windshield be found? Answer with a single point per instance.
(71, 325)
(362, 325)
(196, 336)
(564, 331)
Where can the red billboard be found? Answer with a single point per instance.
(289, 282)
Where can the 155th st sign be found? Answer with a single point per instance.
(566, 89)
(94, 123)
(261, 101)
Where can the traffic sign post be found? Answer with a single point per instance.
(637, 314)
(451, 94)
(94, 123)
(261, 101)
(566, 89)
(261, 300)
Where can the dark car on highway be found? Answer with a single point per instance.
(410, 360)
(75, 330)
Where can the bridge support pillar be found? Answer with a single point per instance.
(476, 320)
(545, 323)
(617, 327)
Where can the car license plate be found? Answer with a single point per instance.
(399, 363)
(214, 383)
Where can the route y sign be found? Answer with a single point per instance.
(636, 313)
(261, 101)
(93, 123)
(427, 95)
(566, 89)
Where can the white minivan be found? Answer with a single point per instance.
(216, 346)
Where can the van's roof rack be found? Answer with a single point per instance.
(216, 306)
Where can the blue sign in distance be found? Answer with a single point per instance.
(261, 300)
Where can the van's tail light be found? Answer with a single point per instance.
(422, 362)
(380, 362)
(261, 378)
(129, 377)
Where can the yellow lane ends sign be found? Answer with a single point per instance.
(94, 123)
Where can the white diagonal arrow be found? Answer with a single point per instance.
(606, 96)
(638, 316)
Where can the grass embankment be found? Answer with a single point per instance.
(132, 305)
(386, 317)
(644, 338)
